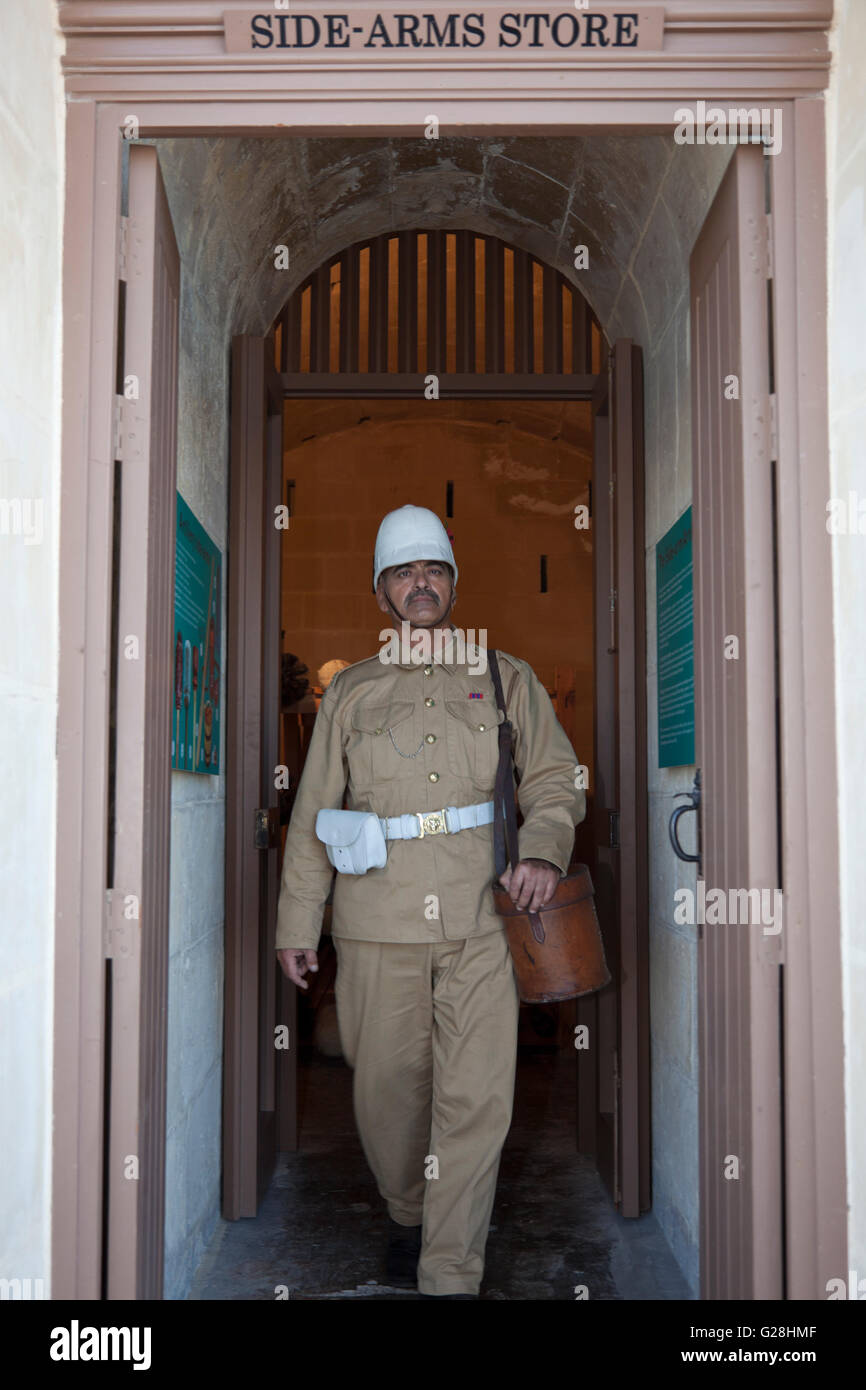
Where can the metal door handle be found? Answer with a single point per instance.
(694, 796)
(266, 834)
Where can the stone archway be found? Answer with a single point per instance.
(235, 199)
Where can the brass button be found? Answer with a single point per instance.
(434, 776)
(428, 670)
(429, 702)
(431, 738)
(378, 731)
(481, 728)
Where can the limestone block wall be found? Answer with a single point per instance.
(846, 161)
(31, 222)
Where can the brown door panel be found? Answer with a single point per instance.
(258, 1075)
(613, 1072)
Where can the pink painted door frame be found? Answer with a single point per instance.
(228, 97)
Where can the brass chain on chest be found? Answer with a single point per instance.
(400, 750)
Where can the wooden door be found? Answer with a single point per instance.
(739, 975)
(258, 1070)
(613, 1069)
(136, 925)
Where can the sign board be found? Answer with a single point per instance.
(675, 633)
(195, 709)
(321, 30)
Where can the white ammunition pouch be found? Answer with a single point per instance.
(354, 840)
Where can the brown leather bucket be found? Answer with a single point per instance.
(557, 952)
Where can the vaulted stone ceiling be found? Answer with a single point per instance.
(634, 201)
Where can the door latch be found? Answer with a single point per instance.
(694, 796)
(267, 827)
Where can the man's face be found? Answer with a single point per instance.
(421, 591)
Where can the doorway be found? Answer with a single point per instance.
(106, 136)
(506, 477)
(462, 305)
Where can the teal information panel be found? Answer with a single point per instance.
(675, 626)
(195, 724)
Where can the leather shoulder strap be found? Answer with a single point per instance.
(505, 840)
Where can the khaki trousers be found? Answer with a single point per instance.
(431, 1032)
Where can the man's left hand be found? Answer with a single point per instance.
(532, 884)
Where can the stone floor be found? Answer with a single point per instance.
(320, 1231)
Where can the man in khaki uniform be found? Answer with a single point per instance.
(427, 1003)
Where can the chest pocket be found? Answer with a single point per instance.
(473, 740)
(371, 754)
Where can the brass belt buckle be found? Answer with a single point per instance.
(432, 823)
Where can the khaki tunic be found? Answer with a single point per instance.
(403, 737)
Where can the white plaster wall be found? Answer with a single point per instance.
(31, 212)
(846, 153)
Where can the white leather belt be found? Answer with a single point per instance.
(416, 824)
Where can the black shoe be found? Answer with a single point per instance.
(401, 1257)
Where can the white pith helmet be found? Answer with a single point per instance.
(411, 533)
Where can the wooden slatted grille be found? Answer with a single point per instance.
(445, 302)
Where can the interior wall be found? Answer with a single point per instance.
(197, 893)
(32, 123)
(653, 308)
(846, 371)
(519, 470)
(637, 203)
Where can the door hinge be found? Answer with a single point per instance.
(130, 433)
(123, 248)
(120, 929)
(119, 426)
(614, 829)
(772, 943)
(771, 265)
(774, 430)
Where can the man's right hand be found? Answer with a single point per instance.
(296, 964)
